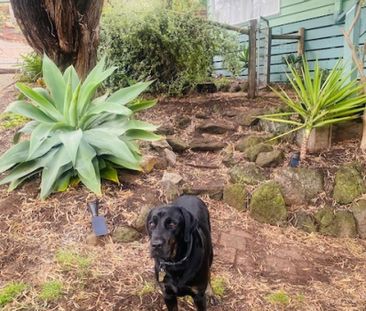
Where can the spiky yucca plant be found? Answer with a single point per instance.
(73, 135)
(318, 102)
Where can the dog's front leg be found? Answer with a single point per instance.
(171, 302)
(200, 301)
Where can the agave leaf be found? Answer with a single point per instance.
(40, 102)
(29, 111)
(124, 164)
(125, 95)
(16, 154)
(85, 168)
(43, 92)
(54, 80)
(142, 135)
(67, 97)
(109, 173)
(110, 108)
(16, 183)
(53, 169)
(73, 110)
(106, 143)
(63, 182)
(140, 125)
(74, 77)
(45, 147)
(26, 129)
(142, 105)
(39, 135)
(71, 142)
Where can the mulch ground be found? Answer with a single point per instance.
(261, 267)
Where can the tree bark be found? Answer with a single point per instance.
(304, 144)
(67, 31)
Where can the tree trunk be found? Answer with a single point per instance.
(304, 144)
(67, 31)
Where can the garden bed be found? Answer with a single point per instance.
(257, 266)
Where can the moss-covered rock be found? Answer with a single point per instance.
(252, 152)
(249, 141)
(299, 185)
(267, 204)
(271, 158)
(359, 212)
(349, 184)
(125, 234)
(339, 224)
(236, 196)
(248, 173)
(305, 222)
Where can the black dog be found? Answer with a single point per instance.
(181, 246)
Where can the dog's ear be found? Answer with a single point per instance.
(148, 218)
(190, 223)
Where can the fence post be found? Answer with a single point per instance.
(301, 43)
(252, 67)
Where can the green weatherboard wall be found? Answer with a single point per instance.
(323, 34)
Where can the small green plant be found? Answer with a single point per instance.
(147, 289)
(278, 298)
(10, 120)
(31, 67)
(218, 286)
(69, 260)
(244, 57)
(75, 135)
(10, 292)
(51, 291)
(318, 103)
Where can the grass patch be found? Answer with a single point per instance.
(10, 120)
(51, 291)
(147, 289)
(10, 292)
(278, 298)
(70, 260)
(218, 285)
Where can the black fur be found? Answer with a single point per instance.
(180, 240)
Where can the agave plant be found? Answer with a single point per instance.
(74, 135)
(318, 102)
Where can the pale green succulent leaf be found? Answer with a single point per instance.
(127, 94)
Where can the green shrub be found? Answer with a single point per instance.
(10, 292)
(175, 49)
(31, 67)
(73, 134)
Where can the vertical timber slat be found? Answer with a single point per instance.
(252, 59)
(301, 44)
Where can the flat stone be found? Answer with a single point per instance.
(247, 173)
(202, 115)
(204, 144)
(170, 185)
(249, 118)
(215, 127)
(299, 185)
(252, 152)
(304, 222)
(346, 131)
(165, 130)
(160, 145)
(268, 205)
(359, 212)
(148, 163)
(139, 223)
(214, 189)
(235, 195)
(271, 158)
(172, 177)
(177, 144)
(170, 157)
(349, 184)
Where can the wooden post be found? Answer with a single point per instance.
(268, 59)
(354, 36)
(301, 43)
(252, 66)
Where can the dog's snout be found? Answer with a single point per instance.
(156, 244)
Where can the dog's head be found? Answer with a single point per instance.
(169, 227)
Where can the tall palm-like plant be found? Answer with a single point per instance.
(75, 135)
(318, 102)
